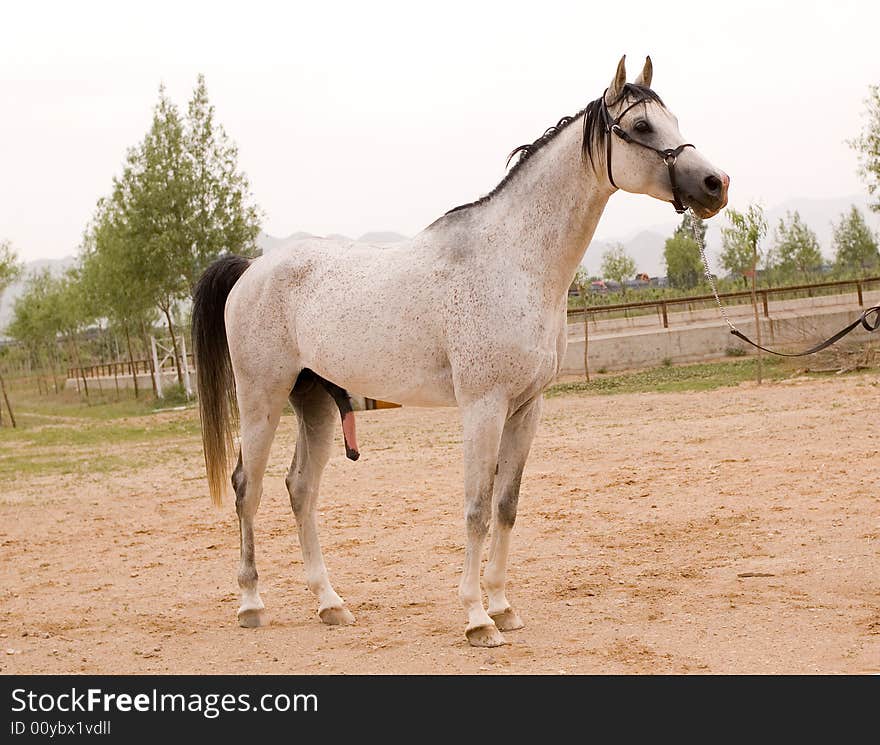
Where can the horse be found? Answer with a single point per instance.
(471, 312)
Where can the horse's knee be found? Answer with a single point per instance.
(508, 499)
(506, 509)
(477, 517)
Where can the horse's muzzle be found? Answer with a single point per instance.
(710, 197)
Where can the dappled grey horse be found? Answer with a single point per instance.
(471, 312)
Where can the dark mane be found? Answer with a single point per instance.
(593, 141)
(525, 152)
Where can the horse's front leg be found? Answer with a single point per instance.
(516, 441)
(482, 423)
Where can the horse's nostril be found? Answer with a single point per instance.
(712, 183)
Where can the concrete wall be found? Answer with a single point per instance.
(793, 325)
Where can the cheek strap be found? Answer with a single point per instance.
(669, 155)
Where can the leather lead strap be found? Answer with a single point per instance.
(864, 320)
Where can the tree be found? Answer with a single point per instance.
(154, 199)
(741, 250)
(10, 270)
(180, 203)
(37, 321)
(618, 265)
(855, 246)
(691, 224)
(224, 218)
(796, 248)
(114, 274)
(582, 278)
(10, 267)
(76, 312)
(681, 254)
(868, 146)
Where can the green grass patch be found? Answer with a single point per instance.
(90, 434)
(70, 405)
(17, 466)
(33, 409)
(675, 379)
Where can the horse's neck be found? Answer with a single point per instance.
(548, 212)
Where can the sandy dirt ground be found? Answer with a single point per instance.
(731, 531)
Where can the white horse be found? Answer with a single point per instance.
(471, 313)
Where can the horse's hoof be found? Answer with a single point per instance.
(507, 620)
(484, 636)
(336, 616)
(252, 618)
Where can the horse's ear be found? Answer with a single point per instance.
(616, 87)
(647, 73)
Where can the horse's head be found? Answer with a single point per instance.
(645, 153)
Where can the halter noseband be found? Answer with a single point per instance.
(669, 155)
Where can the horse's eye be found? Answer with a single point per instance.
(642, 126)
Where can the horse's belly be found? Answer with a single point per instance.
(402, 368)
(429, 391)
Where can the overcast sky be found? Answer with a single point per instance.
(381, 116)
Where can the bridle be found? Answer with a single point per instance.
(669, 155)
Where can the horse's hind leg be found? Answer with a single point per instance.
(316, 413)
(259, 414)
(516, 441)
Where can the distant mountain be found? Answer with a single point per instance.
(382, 236)
(646, 246)
(269, 243)
(820, 214)
(56, 266)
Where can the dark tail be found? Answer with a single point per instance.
(217, 404)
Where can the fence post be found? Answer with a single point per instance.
(859, 290)
(157, 372)
(665, 317)
(586, 342)
(764, 300)
(187, 386)
(6, 399)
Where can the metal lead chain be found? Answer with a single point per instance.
(708, 272)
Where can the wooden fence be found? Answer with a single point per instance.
(113, 369)
(662, 306)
